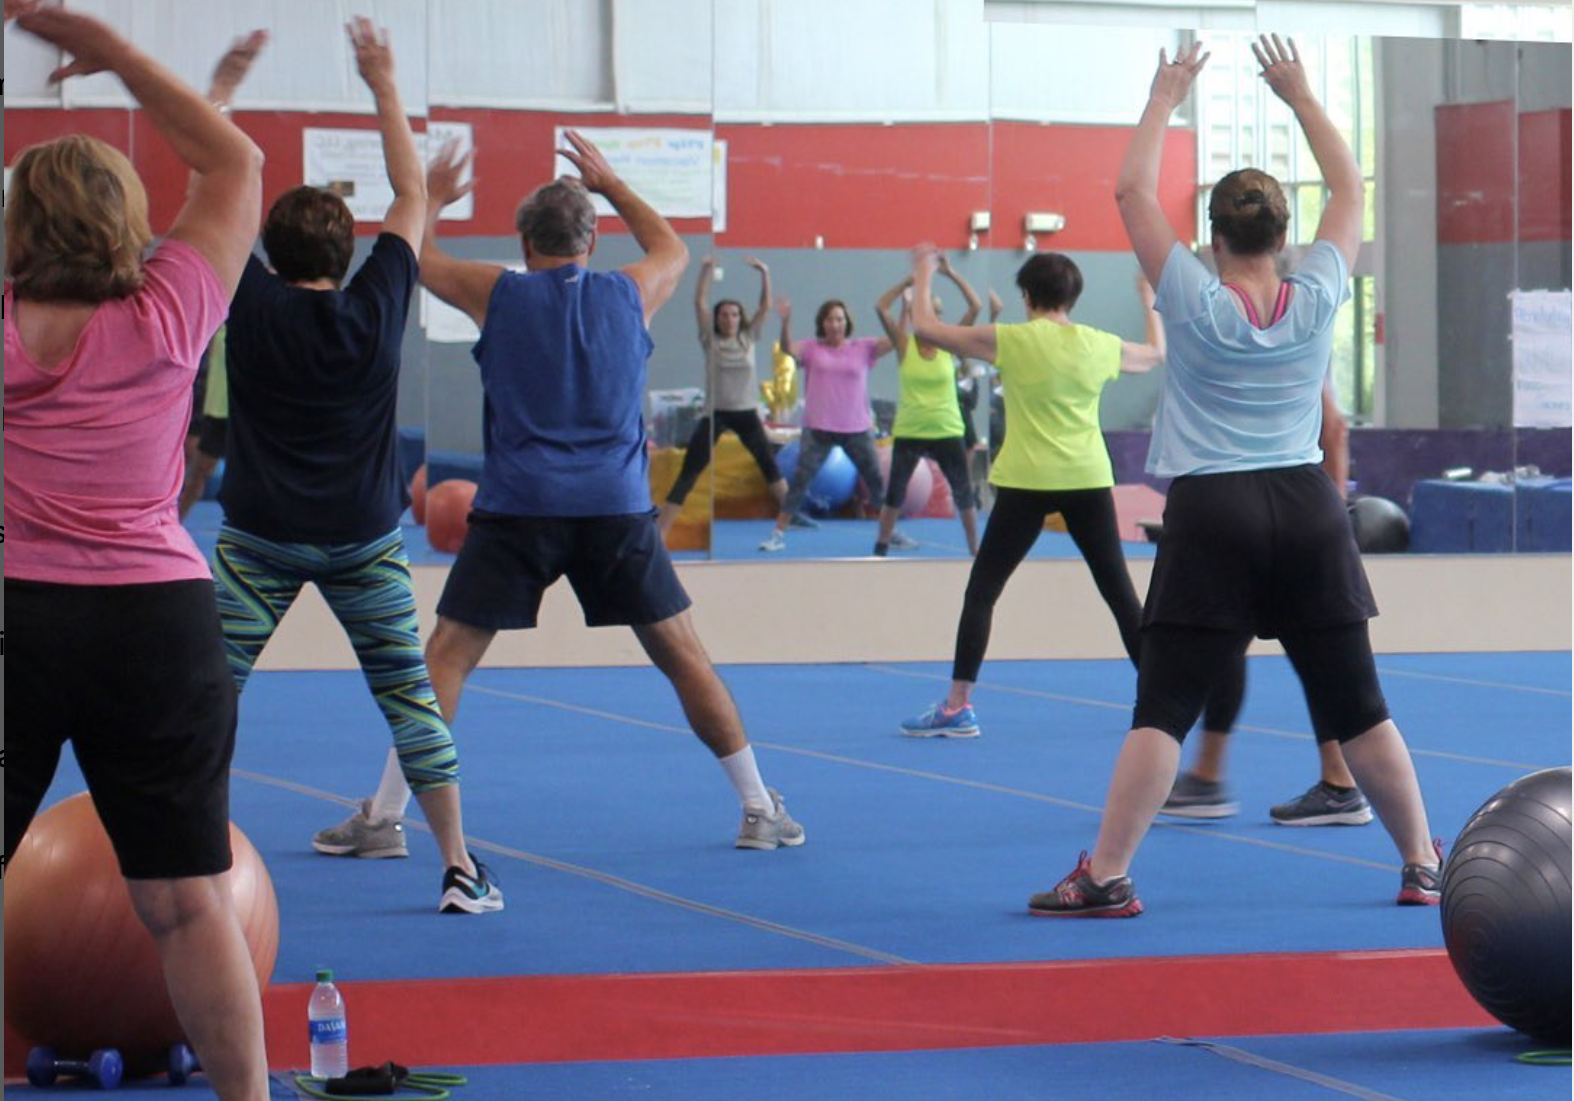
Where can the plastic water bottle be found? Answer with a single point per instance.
(330, 1036)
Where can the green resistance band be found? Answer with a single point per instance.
(1544, 1058)
(425, 1085)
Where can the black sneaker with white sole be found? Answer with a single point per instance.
(464, 893)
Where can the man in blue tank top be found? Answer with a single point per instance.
(564, 487)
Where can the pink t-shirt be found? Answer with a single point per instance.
(836, 383)
(94, 459)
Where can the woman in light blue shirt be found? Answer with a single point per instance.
(1256, 538)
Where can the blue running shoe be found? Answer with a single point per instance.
(937, 722)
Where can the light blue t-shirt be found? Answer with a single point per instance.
(563, 359)
(1237, 397)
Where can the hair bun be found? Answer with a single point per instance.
(1250, 197)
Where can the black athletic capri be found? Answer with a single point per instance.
(134, 676)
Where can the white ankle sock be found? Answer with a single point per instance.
(745, 776)
(393, 794)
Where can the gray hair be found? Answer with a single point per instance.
(557, 218)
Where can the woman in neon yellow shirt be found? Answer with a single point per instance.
(928, 415)
(1053, 459)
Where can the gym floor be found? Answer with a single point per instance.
(640, 954)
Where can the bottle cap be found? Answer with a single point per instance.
(324, 975)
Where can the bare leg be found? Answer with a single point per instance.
(452, 653)
(1334, 769)
(779, 491)
(441, 808)
(208, 969)
(1144, 775)
(1209, 762)
(961, 693)
(674, 648)
(1380, 763)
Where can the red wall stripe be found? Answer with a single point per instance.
(854, 185)
(28, 126)
(1071, 170)
(1475, 173)
(514, 155)
(1545, 157)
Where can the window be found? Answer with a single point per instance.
(1532, 22)
(1242, 123)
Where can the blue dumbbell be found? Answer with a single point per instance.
(104, 1067)
(182, 1064)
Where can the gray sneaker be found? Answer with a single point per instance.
(359, 835)
(900, 540)
(1194, 797)
(760, 832)
(1324, 806)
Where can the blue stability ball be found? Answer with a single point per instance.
(833, 484)
(1505, 905)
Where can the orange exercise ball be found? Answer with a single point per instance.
(81, 971)
(418, 495)
(447, 512)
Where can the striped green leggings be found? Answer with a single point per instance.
(367, 585)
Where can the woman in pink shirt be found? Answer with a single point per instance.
(835, 368)
(115, 642)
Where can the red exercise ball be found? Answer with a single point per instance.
(418, 495)
(447, 513)
(81, 971)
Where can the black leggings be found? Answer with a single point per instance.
(948, 454)
(1014, 526)
(744, 422)
(1335, 664)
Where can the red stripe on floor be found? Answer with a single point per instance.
(566, 1018)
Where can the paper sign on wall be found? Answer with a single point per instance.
(669, 169)
(351, 162)
(1543, 359)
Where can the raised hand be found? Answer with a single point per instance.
(1282, 69)
(926, 259)
(445, 173)
(232, 68)
(594, 171)
(757, 264)
(93, 46)
(373, 56)
(14, 8)
(784, 309)
(1173, 81)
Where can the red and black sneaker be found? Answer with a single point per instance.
(1078, 896)
(1422, 884)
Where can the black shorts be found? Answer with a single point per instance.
(1262, 551)
(618, 567)
(134, 676)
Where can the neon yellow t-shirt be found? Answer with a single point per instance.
(926, 407)
(1053, 375)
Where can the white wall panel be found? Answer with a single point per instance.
(1073, 73)
(866, 60)
(521, 53)
(308, 64)
(28, 63)
(662, 55)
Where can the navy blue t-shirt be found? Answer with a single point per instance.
(563, 359)
(313, 454)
